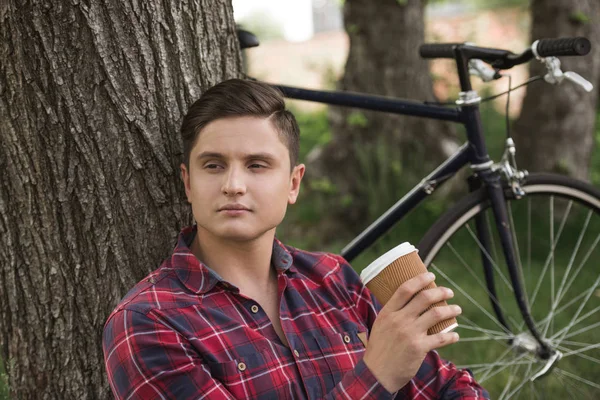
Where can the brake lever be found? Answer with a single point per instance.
(579, 80)
(555, 74)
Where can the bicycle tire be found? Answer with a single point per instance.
(573, 206)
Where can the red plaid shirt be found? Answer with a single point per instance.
(183, 333)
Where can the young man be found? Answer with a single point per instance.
(234, 313)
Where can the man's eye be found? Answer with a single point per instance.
(257, 166)
(212, 166)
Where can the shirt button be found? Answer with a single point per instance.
(254, 309)
(296, 353)
(242, 366)
(347, 339)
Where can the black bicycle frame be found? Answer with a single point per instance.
(473, 152)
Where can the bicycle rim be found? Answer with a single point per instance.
(556, 228)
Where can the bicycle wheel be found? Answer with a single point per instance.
(556, 230)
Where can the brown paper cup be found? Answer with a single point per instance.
(384, 275)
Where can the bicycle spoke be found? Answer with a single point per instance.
(561, 309)
(580, 267)
(569, 266)
(574, 319)
(476, 327)
(550, 256)
(525, 381)
(577, 378)
(487, 255)
(584, 356)
(509, 383)
(475, 303)
(575, 343)
(590, 347)
(551, 262)
(488, 376)
(587, 328)
(529, 238)
(486, 368)
(482, 338)
(565, 382)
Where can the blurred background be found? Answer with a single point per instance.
(360, 163)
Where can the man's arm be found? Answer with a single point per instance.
(436, 378)
(145, 359)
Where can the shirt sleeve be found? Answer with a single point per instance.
(146, 360)
(437, 378)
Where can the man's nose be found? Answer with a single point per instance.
(234, 182)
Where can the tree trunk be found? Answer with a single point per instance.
(555, 131)
(372, 150)
(91, 96)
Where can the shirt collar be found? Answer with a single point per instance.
(199, 278)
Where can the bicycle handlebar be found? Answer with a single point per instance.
(578, 46)
(503, 59)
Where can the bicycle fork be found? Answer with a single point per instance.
(493, 184)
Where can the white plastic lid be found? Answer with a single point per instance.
(373, 269)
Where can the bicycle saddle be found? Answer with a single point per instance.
(247, 39)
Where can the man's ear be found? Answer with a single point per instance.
(296, 178)
(185, 177)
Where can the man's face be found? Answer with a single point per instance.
(240, 181)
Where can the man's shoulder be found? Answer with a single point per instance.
(160, 289)
(318, 266)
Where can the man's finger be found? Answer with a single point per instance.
(407, 290)
(439, 340)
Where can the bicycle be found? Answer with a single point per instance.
(545, 341)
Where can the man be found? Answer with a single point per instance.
(234, 313)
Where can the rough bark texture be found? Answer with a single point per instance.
(383, 59)
(555, 131)
(91, 96)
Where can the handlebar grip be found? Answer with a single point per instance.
(437, 50)
(578, 46)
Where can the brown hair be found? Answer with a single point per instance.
(237, 98)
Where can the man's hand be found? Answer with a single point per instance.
(398, 342)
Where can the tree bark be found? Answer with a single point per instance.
(91, 96)
(555, 131)
(370, 149)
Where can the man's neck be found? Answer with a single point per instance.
(246, 265)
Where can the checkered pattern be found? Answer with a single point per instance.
(185, 333)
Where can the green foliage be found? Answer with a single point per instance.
(262, 25)
(579, 17)
(357, 119)
(314, 129)
(402, 2)
(323, 185)
(352, 29)
(4, 392)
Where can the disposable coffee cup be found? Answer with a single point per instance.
(384, 275)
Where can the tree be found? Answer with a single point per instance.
(366, 146)
(91, 95)
(555, 131)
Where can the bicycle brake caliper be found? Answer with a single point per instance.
(508, 166)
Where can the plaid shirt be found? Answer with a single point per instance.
(183, 333)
